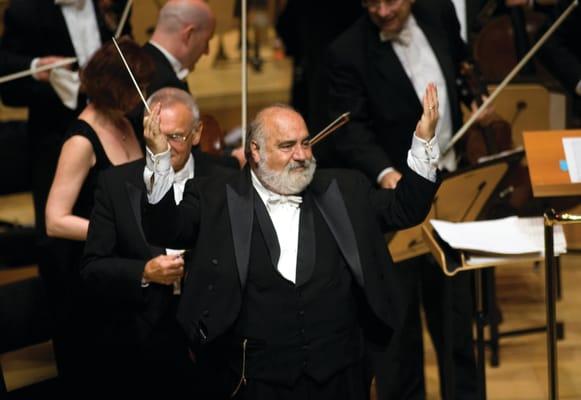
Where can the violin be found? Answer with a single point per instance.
(481, 139)
(505, 39)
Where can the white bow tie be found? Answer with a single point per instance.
(78, 3)
(278, 199)
(404, 37)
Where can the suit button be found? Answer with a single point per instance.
(302, 313)
(302, 331)
(205, 313)
(214, 261)
(210, 287)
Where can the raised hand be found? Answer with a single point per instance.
(154, 139)
(426, 127)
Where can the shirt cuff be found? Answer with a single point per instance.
(423, 157)
(33, 66)
(578, 88)
(144, 283)
(158, 163)
(383, 173)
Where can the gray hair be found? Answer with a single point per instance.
(257, 131)
(168, 96)
(174, 15)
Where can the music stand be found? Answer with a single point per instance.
(461, 197)
(545, 153)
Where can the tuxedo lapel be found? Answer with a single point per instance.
(331, 205)
(240, 198)
(386, 66)
(268, 231)
(306, 252)
(135, 195)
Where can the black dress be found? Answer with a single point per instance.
(62, 279)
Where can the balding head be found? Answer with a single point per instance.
(184, 28)
(278, 149)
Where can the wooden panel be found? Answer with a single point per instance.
(544, 151)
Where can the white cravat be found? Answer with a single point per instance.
(285, 213)
(421, 66)
(181, 72)
(179, 183)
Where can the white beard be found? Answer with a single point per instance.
(288, 181)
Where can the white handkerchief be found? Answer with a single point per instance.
(66, 84)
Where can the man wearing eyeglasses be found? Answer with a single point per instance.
(376, 70)
(135, 286)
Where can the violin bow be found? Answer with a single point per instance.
(458, 135)
(332, 127)
(123, 19)
(131, 75)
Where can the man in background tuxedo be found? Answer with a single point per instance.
(133, 287)
(289, 263)
(181, 37)
(377, 70)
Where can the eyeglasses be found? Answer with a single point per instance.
(176, 137)
(374, 5)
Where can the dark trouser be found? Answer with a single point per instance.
(447, 304)
(348, 384)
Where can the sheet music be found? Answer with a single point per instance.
(507, 236)
(572, 147)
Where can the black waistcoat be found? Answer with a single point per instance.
(308, 328)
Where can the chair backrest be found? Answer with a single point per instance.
(212, 140)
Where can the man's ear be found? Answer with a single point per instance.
(197, 134)
(254, 151)
(187, 33)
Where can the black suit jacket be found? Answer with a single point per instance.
(366, 78)
(37, 28)
(216, 218)
(116, 252)
(164, 74)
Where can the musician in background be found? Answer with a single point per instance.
(181, 37)
(376, 70)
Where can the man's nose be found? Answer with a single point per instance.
(299, 153)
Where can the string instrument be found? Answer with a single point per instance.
(462, 131)
(505, 39)
(482, 140)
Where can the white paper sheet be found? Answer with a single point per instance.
(572, 147)
(509, 236)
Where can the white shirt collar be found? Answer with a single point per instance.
(180, 71)
(272, 199)
(405, 36)
(187, 172)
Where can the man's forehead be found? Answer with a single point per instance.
(287, 126)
